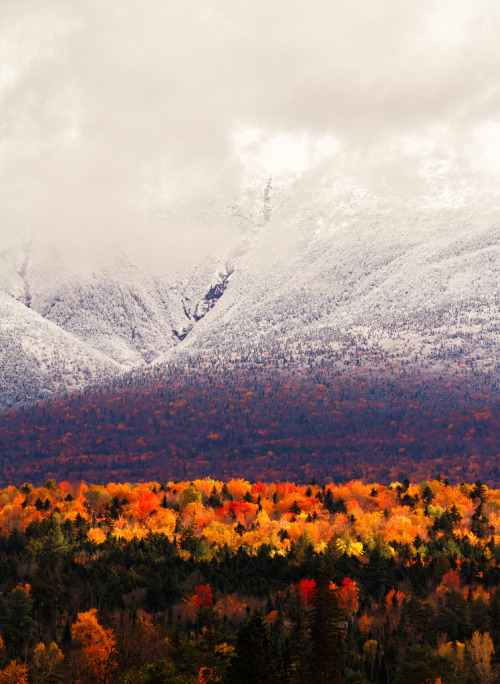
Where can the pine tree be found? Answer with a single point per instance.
(327, 629)
(300, 643)
(214, 499)
(15, 618)
(256, 660)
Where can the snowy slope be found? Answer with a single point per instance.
(333, 262)
(38, 360)
(133, 304)
(311, 271)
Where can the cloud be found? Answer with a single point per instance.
(111, 108)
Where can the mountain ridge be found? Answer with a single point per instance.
(304, 267)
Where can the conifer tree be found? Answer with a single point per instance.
(301, 643)
(327, 628)
(256, 660)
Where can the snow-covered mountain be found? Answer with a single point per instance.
(39, 360)
(310, 273)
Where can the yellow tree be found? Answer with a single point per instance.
(480, 649)
(46, 662)
(14, 673)
(98, 646)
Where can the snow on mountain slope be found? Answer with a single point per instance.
(38, 360)
(310, 271)
(131, 316)
(130, 319)
(115, 311)
(133, 304)
(334, 262)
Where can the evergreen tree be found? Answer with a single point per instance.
(225, 493)
(256, 660)
(327, 629)
(333, 505)
(480, 524)
(16, 623)
(301, 643)
(420, 664)
(479, 491)
(214, 499)
(376, 573)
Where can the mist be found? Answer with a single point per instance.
(115, 113)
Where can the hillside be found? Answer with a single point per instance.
(265, 423)
(39, 360)
(311, 272)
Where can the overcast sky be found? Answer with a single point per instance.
(109, 108)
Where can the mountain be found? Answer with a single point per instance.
(347, 278)
(312, 272)
(39, 360)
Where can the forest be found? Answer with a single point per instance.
(205, 581)
(267, 424)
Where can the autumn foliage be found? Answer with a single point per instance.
(14, 673)
(97, 644)
(307, 588)
(265, 424)
(180, 581)
(202, 596)
(348, 596)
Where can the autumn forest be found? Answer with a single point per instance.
(361, 546)
(265, 424)
(206, 581)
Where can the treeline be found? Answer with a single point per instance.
(270, 426)
(206, 581)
